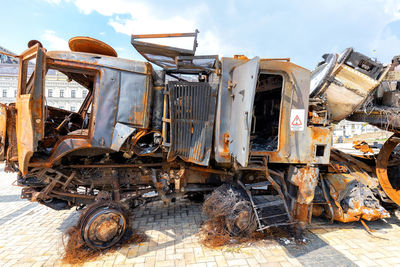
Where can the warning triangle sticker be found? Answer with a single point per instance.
(297, 121)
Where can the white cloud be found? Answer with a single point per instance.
(54, 42)
(53, 2)
(109, 8)
(387, 46)
(300, 29)
(129, 17)
(210, 43)
(391, 8)
(386, 43)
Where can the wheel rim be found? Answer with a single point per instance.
(103, 225)
(382, 165)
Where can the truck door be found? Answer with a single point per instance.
(30, 104)
(243, 84)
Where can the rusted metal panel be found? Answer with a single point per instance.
(306, 180)
(3, 130)
(90, 45)
(121, 133)
(37, 104)
(25, 132)
(81, 60)
(243, 87)
(351, 183)
(123, 97)
(161, 55)
(68, 145)
(106, 108)
(134, 99)
(12, 144)
(223, 113)
(348, 92)
(192, 109)
(30, 106)
(351, 199)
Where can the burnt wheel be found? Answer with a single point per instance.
(231, 203)
(241, 220)
(102, 225)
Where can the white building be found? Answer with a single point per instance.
(348, 129)
(59, 92)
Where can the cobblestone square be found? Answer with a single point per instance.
(31, 235)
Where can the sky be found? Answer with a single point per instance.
(302, 30)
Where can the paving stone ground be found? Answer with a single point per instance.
(31, 235)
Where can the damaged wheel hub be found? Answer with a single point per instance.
(103, 225)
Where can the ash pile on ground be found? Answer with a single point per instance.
(77, 252)
(224, 208)
(213, 234)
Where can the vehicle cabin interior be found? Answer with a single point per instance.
(61, 122)
(266, 112)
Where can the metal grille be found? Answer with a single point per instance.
(192, 108)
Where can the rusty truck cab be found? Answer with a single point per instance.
(117, 104)
(262, 111)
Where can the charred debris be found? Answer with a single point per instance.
(255, 133)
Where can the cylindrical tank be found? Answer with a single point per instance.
(158, 99)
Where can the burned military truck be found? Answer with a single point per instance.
(189, 124)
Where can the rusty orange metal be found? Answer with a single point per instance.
(29, 105)
(347, 174)
(11, 145)
(302, 214)
(382, 165)
(91, 45)
(362, 146)
(306, 179)
(225, 152)
(240, 57)
(337, 184)
(3, 130)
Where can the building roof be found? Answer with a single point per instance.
(7, 59)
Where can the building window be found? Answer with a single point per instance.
(4, 92)
(50, 93)
(84, 94)
(15, 93)
(61, 107)
(73, 93)
(62, 93)
(73, 109)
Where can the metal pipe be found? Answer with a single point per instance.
(326, 197)
(116, 165)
